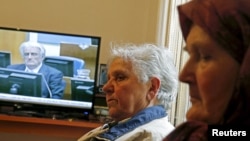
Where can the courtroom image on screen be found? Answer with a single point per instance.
(64, 54)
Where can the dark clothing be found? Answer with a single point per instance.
(189, 131)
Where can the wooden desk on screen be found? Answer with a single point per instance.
(70, 130)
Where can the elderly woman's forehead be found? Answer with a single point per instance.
(122, 62)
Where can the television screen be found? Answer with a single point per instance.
(5, 58)
(65, 52)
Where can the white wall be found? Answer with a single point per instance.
(113, 20)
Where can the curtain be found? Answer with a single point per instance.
(169, 35)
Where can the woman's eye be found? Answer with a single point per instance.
(120, 77)
(205, 57)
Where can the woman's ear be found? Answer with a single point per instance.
(154, 87)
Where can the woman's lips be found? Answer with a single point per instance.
(111, 101)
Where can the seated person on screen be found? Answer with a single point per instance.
(33, 54)
(139, 90)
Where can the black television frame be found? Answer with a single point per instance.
(5, 58)
(46, 107)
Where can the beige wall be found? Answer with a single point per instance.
(113, 20)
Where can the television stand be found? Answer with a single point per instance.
(30, 111)
(33, 128)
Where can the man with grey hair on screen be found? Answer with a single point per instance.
(33, 54)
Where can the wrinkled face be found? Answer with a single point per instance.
(32, 57)
(211, 74)
(125, 95)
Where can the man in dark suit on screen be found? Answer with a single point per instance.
(33, 54)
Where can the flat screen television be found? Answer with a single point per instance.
(85, 47)
(5, 58)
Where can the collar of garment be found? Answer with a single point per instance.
(118, 129)
(36, 70)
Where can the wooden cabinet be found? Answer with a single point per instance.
(41, 129)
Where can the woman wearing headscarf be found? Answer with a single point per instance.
(217, 35)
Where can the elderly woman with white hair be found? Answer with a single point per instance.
(142, 83)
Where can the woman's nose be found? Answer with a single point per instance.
(108, 87)
(187, 74)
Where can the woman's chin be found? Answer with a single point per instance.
(196, 114)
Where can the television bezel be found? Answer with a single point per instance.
(62, 111)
